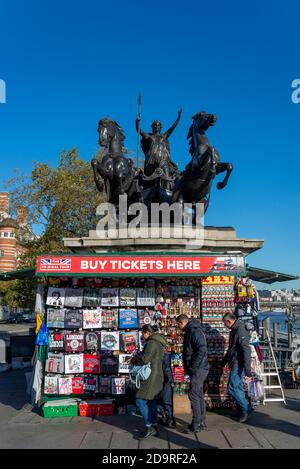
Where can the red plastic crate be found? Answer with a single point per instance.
(92, 409)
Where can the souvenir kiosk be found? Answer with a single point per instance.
(95, 304)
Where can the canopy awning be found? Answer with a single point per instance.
(17, 275)
(269, 276)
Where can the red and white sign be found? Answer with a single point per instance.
(141, 264)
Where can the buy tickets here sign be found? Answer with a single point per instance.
(123, 264)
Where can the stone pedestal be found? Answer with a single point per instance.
(214, 240)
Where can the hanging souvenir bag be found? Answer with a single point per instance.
(138, 373)
(43, 335)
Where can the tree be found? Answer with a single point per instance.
(62, 203)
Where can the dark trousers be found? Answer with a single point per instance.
(165, 403)
(196, 396)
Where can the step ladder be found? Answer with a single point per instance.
(271, 372)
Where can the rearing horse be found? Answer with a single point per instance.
(117, 171)
(194, 185)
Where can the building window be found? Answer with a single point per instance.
(1, 253)
(6, 234)
(11, 235)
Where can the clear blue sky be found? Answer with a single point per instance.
(67, 63)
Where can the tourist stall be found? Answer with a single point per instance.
(93, 306)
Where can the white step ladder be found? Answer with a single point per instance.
(268, 375)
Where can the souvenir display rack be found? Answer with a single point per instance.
(94, 324)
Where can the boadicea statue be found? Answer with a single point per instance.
(160, 180)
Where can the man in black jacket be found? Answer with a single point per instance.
(238, 358)
(195, 361)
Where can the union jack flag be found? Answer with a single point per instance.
(58, 263)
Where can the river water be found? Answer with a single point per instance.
(281, 319)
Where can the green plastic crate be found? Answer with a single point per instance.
(60, 411)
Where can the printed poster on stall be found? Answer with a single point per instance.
(92, 340)
(146, 297)
(91, 298)
(127, 296)
(110, 340)
(56, 297)
(73, 319)
(110, 297)
(124, 362)
(56, 340)
(74, 363)
(65, 385)
(56, 318)
(105, 385)
(51, 385)
(55, 363)
(91, 363)
(74, 297)
(92, 318)
(74, 342)
(128, 319)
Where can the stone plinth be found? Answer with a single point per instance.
(215, 240)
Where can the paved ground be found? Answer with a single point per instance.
(273, 426)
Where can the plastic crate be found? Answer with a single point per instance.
(96, 408)
(51, 411)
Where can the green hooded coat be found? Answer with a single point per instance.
(153, 353)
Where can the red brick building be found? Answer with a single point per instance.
(13, 234)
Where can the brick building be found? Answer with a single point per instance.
(14, 234)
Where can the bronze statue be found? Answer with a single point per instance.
(195, 183)
(161, 180)
(117, 171)
(156, 147)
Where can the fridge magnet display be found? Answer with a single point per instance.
(118, 386)
(91, 363)
(124, 364)
(74, 363)
(73, 319)
(65, 385)
(92, 319)
(74, 342)
(128, 319)
(110, 318)
(110, 340)
(55, 363)
(91, 298)
(92, 340)
(74, 298)
(146, 297)
(129, 341)
(127, 296)
(51, 385)
(56, 318)
(56, 296)
(110, 297)
(56, 340)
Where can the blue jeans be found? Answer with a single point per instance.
(148, 410)
(236, 389)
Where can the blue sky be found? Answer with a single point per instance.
(68, 63)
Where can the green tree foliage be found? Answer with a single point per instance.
(61, 203)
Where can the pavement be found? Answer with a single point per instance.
(271, 426)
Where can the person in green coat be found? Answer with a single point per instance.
(150, 389)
